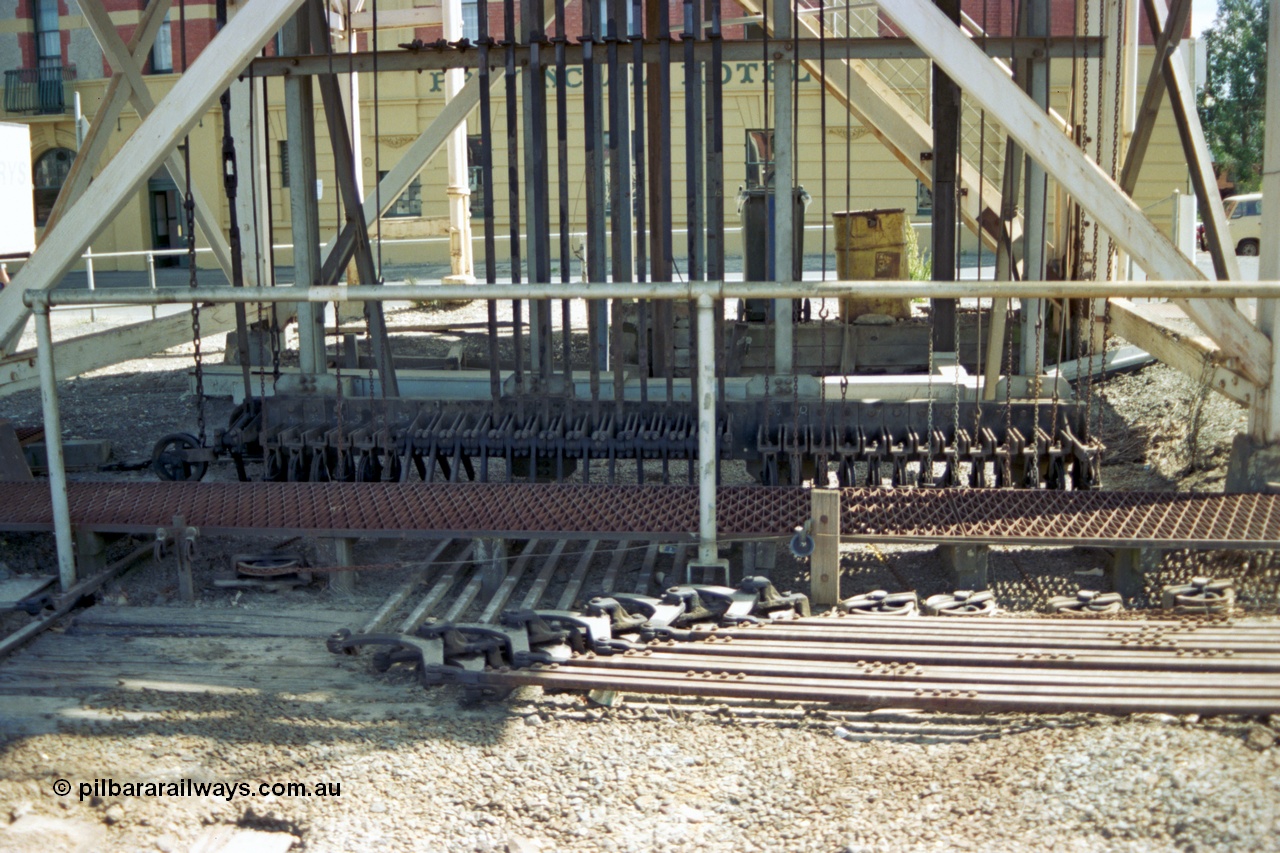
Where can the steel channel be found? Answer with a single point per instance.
(581, 678)
(562, 175)
(640, 198)
(486, 171)
(619, 192)
(734, 51)
(513, 184)
(592, 141)
(1118, 684)
(538, 248)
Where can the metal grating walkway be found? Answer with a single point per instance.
(524, 510)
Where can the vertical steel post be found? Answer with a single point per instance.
(513, 186)
(562, 176)
(300, 128)
(461, 260)
(537, 187)
(708, 551)
(619, 184)
(88, 262)
(1035, 22)
(53, 449)
(638, 145)
(782, 188)
(1264, 417)
(151, 278)
(946, 157)
(486, 174)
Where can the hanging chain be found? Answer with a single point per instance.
(189, 204)
(926, 467)
(338, 402)
(1111, 250)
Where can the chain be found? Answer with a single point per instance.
(955, 375)
(338, 401)
(1037, 367)
(926, 469)
(189, 204)
(1111, 251)
(262, 374)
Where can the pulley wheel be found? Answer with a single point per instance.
(169, 460)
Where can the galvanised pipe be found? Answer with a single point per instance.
(53, 450)
(689, 290)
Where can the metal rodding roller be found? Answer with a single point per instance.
(1087, 601)
(962, 602)
(881, 603)
(1202, 595)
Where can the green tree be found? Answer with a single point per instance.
(1232, 103)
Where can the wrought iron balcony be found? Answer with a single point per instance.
(40, 90)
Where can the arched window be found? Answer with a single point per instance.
(48, 175)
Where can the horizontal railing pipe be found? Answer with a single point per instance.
(668, 290)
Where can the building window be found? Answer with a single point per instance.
(162, 50)
(410, 201)
(626, 20)
(759, 158)
(48, 175)
(471, 20)
(48, 39)
(475, 174)
(282, 153)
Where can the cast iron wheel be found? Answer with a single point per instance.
(168, 458)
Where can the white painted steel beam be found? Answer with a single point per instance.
(219, 64)
(1092, 188)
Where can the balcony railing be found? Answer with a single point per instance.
(38, 90)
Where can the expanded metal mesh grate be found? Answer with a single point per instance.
(921, 515)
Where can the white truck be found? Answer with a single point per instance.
(17, 205)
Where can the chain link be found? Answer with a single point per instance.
(338, 402)
(189, 204)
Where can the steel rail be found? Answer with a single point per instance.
(1118, 622)
(929, 632)
(688, 290)
(906, 668)
(814, 690)
(985, 655)
(936, 679)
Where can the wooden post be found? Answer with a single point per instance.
(824, 564)
(344, 582)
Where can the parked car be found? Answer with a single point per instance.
(1244, 220)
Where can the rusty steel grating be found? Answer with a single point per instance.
(671, 512)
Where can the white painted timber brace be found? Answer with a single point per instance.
(104, 30)
(117, 95)
(1092, 188)
(225, 57)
